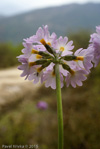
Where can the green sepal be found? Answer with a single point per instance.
(65, 66)
(46, 64)
(45, 55)
(49, 49)
(41, 62)
(69, 57)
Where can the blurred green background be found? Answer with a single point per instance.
(22, 123)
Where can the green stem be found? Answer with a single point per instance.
(59, 108)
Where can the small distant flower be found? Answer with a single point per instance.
(43, 51)
(95, 46)
(42, 105)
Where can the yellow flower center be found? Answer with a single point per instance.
(62, 49)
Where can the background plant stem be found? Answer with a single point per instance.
(59, 108)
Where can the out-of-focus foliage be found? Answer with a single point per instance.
(80, 39)
(8, 53)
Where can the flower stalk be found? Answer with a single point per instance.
(59, 108)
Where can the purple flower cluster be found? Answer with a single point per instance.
(95, 46)
(43, 51)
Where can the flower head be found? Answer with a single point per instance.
(42, 52)
(95, 46)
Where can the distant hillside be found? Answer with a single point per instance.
(1, 16)
(62, 20)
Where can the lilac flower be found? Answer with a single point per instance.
(95, 46)
(76, 77)
(63, 71)
(63, 47)
(25, 66)
(22, 59)
(50, 79)
(28, 47)
(30, 40)
(33, 58)
(36, 75)
(50, 39)
(84, 58)
(26, 70)
(42, 105)
(45, 34)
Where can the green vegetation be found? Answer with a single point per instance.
(8, 53)
(80, 39)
